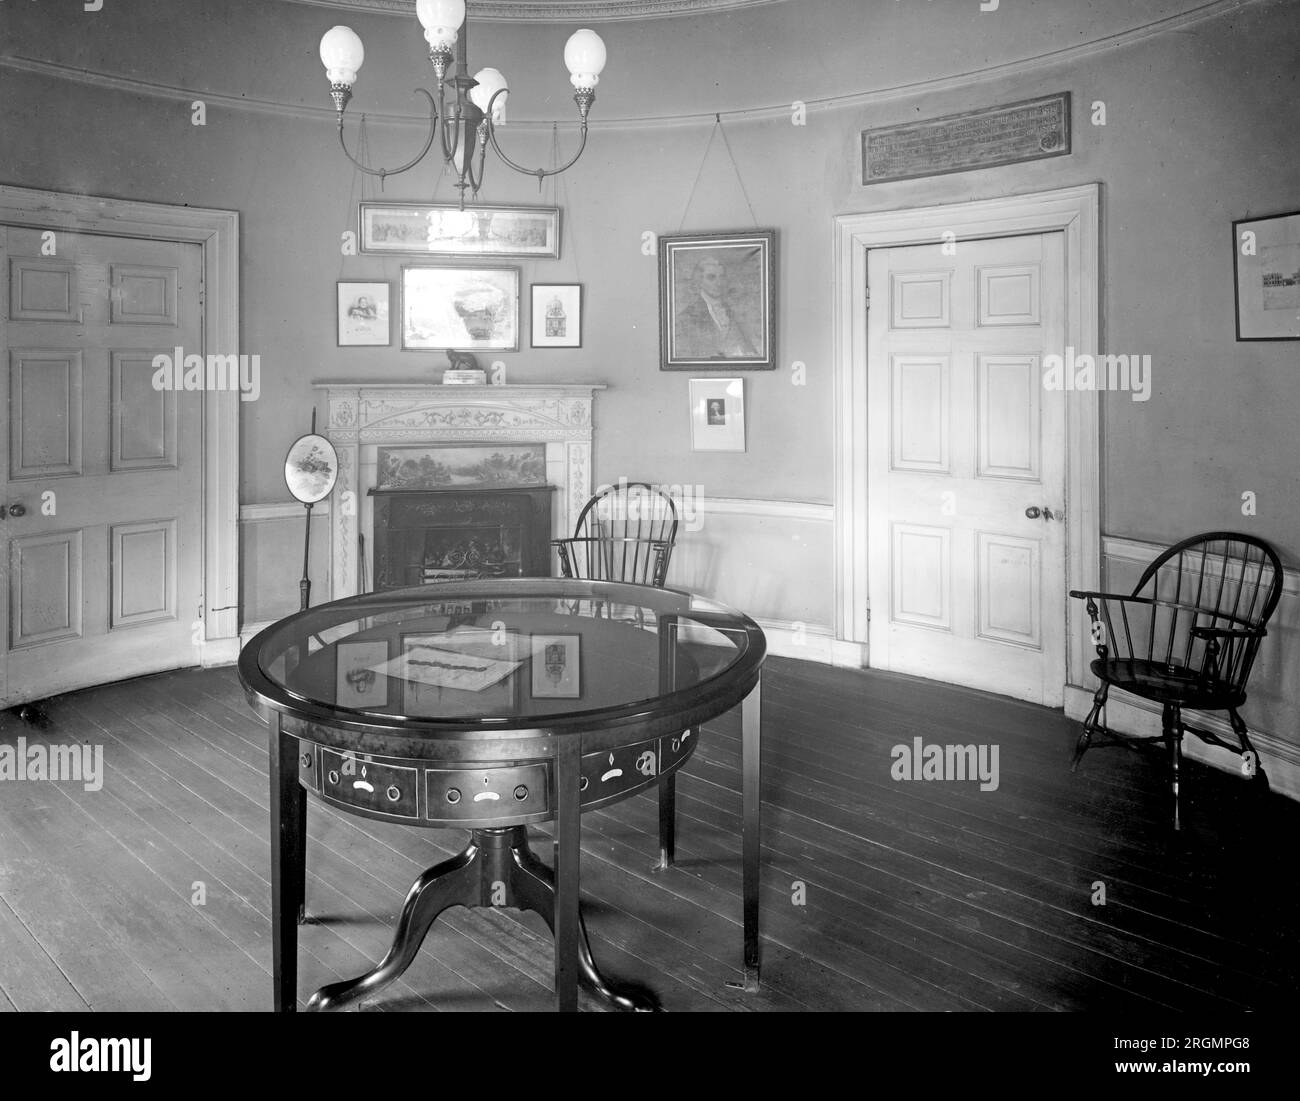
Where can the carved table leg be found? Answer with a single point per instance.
(532, 885)
(454, 882)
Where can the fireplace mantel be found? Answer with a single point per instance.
(364, 415)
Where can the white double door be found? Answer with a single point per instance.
(966, 458)
(101, 487)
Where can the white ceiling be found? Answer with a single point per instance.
(523, 11)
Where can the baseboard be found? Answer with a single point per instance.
(1135, 716)
(220, 651)
(811, 643)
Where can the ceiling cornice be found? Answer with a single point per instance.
(553, 11)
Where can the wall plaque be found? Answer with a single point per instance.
(990, 136)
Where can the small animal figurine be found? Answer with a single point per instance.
(462, 361)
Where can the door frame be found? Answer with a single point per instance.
(1076, 211)
(216, 232)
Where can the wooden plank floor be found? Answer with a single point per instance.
(878, 894)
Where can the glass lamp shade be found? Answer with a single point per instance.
(441, 19)
(490, 81)
(584, 54)
(342, 53)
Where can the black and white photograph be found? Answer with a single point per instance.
(779, 509)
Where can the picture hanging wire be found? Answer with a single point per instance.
(717, 129)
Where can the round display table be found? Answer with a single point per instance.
(487, 706)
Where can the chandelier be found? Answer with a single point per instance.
(469, 122)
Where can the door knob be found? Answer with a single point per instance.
(1033, 512)
(17, 510)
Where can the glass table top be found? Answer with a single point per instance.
(513, 652)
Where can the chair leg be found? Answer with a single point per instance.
(1172, 721)
(1089, 725)
(1243, 736)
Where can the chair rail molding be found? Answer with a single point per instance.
(1075, 211)
(216, 232)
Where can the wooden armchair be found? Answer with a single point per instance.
(1186, 637)
(624, 533)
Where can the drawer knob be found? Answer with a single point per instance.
(582, 784)
(521, 793)
(306, 760)
(334, 776)
(393, 793)
(453, 795)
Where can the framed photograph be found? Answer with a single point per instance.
(466, 671)
(717, 301)
(363, 317)
(443, 229)
(557, 666)
(1266, 252)
(468, 309)
(557, 315)
(717, 414)
(359, 682)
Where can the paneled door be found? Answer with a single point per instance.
(102, 528)
(966, 458)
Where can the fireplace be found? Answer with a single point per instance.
(428, 535)
(368, 418)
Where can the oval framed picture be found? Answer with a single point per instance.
(311, 468)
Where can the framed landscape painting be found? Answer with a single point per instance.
(443, 229)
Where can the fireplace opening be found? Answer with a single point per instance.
(430, 535)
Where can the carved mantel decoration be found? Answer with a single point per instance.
(363, 416)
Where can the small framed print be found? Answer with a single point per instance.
(1266, 255)
(717, 414)
(445, 229)
(557, 315)
(364, 319)
(359, 682)
(468, 309)
(557, 666)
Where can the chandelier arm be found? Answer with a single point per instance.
(540, 173)
(428, 144)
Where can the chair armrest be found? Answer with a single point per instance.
(1228, 632)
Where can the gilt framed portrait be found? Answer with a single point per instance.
(363, 315)
(1266, 252)
(469, 309)
(717, 301)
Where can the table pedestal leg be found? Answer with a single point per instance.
(750, 845)
(497, 869)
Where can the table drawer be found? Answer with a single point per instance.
(375, 786)
(477, 795)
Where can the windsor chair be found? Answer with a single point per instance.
(1186, 637)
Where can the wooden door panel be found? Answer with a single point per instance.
(1009, 397)
(1008, 589)
(920, 433)
(922, 581)
(43, 290)
(920, 299)
(143, 295)
(45, 584)
(45, 412)
(1008, 295)
(144, 572)
(143, 433)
